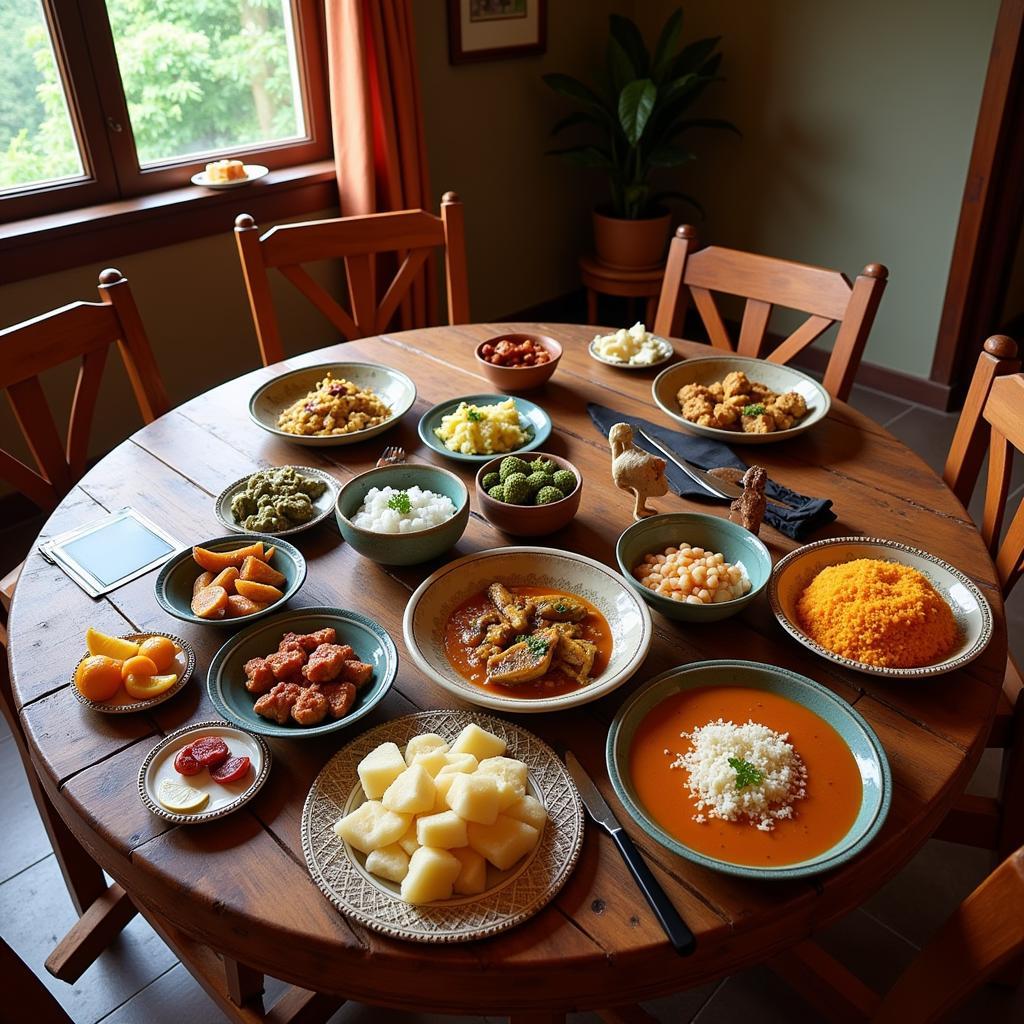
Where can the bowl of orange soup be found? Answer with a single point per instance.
(749, 769)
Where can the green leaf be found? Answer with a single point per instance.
(666, 46)
(629, 38)
(585, 156)
(578, 117)
(692, 56)
(667, 155)
(636, 102)
(746, 773)
(400, 503)
(756, 409)
(621, 69)
(576, 90)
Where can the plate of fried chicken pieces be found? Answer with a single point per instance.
(303, 673)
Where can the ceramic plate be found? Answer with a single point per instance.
(253, 172)
(322, 507)
(436, 598)
(226, 680)
(224, 797)
(175, 581)
(123, 704)
(394, 388)
(867, 750)
(512, 896)
(633, 366)
(971, 611)
(533, 420)
(708, 369)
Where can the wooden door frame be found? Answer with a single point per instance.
(991, 213)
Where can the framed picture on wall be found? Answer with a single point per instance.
(495, 29)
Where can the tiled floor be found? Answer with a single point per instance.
(138, 981)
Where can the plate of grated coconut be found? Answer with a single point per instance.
(749, 769)
(880, 607)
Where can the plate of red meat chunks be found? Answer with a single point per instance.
(304, 672)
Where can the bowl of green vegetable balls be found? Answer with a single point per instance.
(529, 496)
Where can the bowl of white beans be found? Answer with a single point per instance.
(693, 567)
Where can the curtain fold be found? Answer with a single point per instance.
(377, 122)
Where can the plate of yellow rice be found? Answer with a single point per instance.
(880, 607)
(332, 403)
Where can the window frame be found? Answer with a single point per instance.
(83, 45)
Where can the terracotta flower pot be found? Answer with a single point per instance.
(630, 244)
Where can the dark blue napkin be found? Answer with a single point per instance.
(806, 515)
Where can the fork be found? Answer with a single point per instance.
(393, 455)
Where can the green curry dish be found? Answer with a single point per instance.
(538, 480)
(548, 496)
(277, 499)
(753, 410)
(517, 489)
(564, 480)
(513, 464)
(491, 480)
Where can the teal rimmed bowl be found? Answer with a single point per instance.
(533, 420)
(864, 744)
(370, 642)
(652, 536)
(174, 584)
(403, 548)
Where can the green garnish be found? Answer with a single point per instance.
(474, 416)
(753, 410)
(561, 607)
(746, 773)
(537, 646)
(400, 503)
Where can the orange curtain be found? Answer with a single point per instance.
(377, 119)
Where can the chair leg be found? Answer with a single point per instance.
(244, 984)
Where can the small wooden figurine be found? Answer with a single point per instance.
(750, 505)
(635, 470)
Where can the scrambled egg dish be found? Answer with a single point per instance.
(482, 429)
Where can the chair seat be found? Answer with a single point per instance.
(7, 585)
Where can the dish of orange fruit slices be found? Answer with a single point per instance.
(236, 583)
(133, 672)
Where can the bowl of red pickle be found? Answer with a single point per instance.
(518, 362)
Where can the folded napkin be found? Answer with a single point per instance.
(806, 515)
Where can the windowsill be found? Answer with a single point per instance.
(102, 233)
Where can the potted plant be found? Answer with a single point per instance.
(637, 118)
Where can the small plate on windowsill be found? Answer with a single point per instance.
(253, 172)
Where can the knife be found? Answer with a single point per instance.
(675, 927)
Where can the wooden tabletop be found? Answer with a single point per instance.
(241, 884)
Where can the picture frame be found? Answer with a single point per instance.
(481, 30)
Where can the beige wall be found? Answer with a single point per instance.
(858, 120)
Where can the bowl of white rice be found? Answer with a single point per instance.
(403, 515)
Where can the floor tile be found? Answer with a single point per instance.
(880, 407)
(25, 839)
(36, 911)
(759, 997)
(926, 432)
(865, 946)
(175, 996)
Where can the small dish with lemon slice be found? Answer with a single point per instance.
(134, 672)
(203, 791)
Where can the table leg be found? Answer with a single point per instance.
(591, 306)
(245, 986)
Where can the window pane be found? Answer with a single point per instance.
(37, 142)
(200, 78)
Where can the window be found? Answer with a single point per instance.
(102, 101)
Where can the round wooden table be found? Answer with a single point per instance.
(240, 885)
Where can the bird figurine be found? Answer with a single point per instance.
(635, 470)
(750, 505)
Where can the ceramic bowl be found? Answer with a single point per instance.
(533, 420)
(708, 369)
(322, 506)
(653, 535)
(174, 584)
(528, 520)
(436, 598)
(403, 548)
(867, 750)
(520, 378)
(971, 611)
(226, 680)
(271, 399)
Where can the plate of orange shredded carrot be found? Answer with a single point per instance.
(880, 607)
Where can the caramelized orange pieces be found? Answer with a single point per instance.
(259, 592)
(226, 578)
(204, 579)
(210, 603)
(259, 572)
(216, 561)
(239, 606)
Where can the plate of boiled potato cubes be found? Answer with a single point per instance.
(443, 826)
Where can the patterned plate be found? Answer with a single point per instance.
(122, 703)
(322, 506)
(513, 896)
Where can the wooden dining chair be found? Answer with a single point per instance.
(33, 1002)
(978, 940)
(766, 282)
(412, 234)
(82, 331)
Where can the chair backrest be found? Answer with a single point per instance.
(981, 936)
(83, 330)
(765, 282)
(998, 358)
(412, 234)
